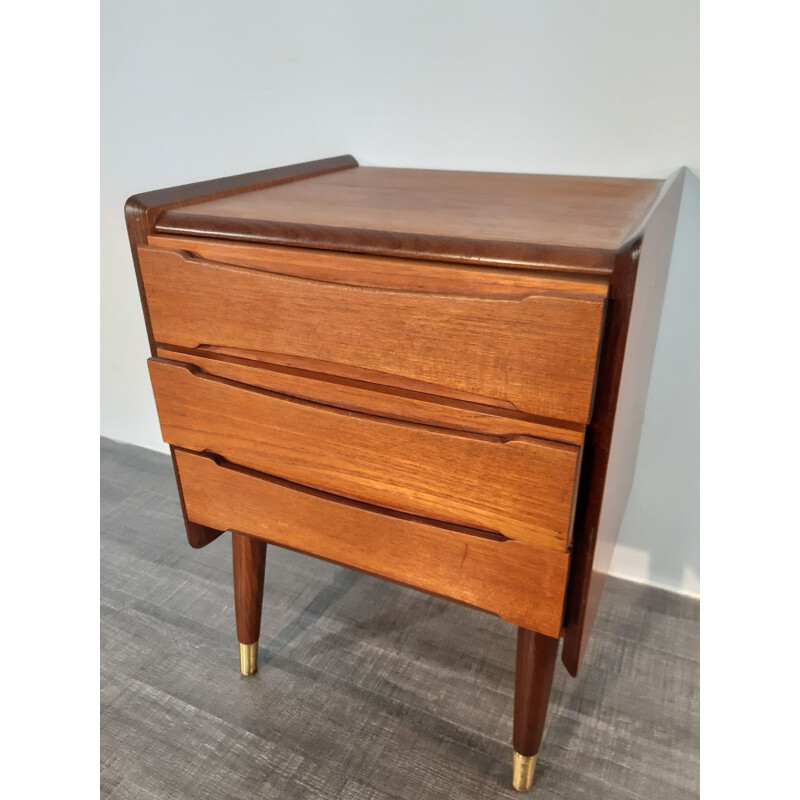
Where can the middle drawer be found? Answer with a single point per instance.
(519, 487)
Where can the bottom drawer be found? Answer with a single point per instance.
(520, 582)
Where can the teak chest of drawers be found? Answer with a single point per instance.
(435, 377)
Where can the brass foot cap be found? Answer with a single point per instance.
(248, 658)
(524, 767)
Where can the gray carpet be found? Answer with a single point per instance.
(365, 690)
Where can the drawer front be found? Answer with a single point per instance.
(534, 352)
(378, 400)
(521, 582)
(515, 487)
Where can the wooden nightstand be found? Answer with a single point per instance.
(435, 377)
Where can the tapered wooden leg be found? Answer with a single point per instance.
(249, 560)
(536, 661)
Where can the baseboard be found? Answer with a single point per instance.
(632, 564)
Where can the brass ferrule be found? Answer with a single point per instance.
(248, 658)
(524, 767)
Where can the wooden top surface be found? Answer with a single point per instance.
(472, 217)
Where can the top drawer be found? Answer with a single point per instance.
(529, 347)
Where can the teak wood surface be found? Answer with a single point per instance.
(343, 231)
(140, 213)
(406, 274)
(371, 398)
(249, 560)
(536, 660)
(518, 487)
(518, 581)
(564, 222)
(636, 295)
(537, 352)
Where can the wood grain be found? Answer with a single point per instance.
(140, 213)
(537, 352)
(385, 273)
(376, 399)
(521, 488)
(142, 209)
(536, 661)
(518, 581)
(551, 221)
(612, 442)
(249, 561)
(241, 272)
(198, 535)
(335, 370)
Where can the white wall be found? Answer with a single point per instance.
(198, 89)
